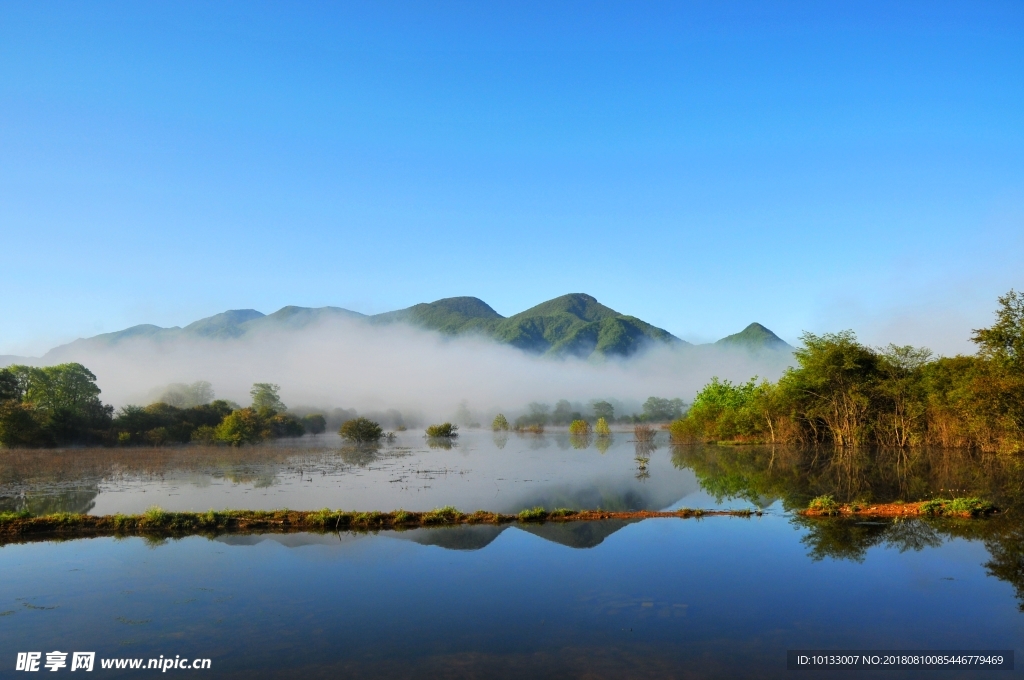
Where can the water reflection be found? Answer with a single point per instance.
(503, 472)
(793, 476)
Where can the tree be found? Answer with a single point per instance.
(900, 384)
(314, 423)
(265, 398)
(603, 409)
(562, 415)
(63, 387)
(244, 426)
(602, 429)
(658, 410)
(834, 377)
(1004, 341)
(500, 423)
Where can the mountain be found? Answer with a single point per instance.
(574, 324)
(570, 325)
(754, 337)
(450, 315)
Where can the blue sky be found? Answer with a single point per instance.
(812, 166)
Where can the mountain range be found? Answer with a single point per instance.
(574, 324)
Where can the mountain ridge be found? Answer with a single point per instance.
(575, 324)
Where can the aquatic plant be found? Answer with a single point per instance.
(825, 504)
(530, 429)
(361, 430)
(579, 427)
(601, 428)
(644, 432)
(499, 423)
(443, 430)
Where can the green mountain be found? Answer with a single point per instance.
(450, 315)
(754, 337)
(574, 324)
(570, 325)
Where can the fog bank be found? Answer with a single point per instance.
(352, 364)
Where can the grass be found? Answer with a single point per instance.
(959, 507)
(536, 514)
(156, 523)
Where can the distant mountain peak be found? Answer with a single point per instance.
(755, 336)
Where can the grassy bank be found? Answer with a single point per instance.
(826, 506)
(159, 522)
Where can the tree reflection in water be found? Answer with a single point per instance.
(794, 476)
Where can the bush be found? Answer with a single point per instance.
(601, 429)
(579, 427)
(500, 422)
(443, 430)
(644, 433)
(361, 430)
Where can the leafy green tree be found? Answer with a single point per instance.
(657, 410)
(834, 378)
(314, 423)
(602, 429)
(265, 398)
(500, 423)
(244, 426)
(1004, 341)
(361, 430)
(63, 387)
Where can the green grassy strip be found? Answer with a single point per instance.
(156, 520)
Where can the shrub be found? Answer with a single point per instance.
(361, 430)
(500, 422)
(443, 430)
(579, 427)
(601, 429)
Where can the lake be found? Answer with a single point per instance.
(716, 597)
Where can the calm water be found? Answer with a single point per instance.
(481, 471)
(720, 597)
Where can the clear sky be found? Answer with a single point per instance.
(812, 166)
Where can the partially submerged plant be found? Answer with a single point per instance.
(579, 427)
(361, 430)
(644, 432)
(443, 430)
(500, 423)
(601, 428)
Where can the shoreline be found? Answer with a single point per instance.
(157, 522)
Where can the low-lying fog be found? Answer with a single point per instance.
(351, 364)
